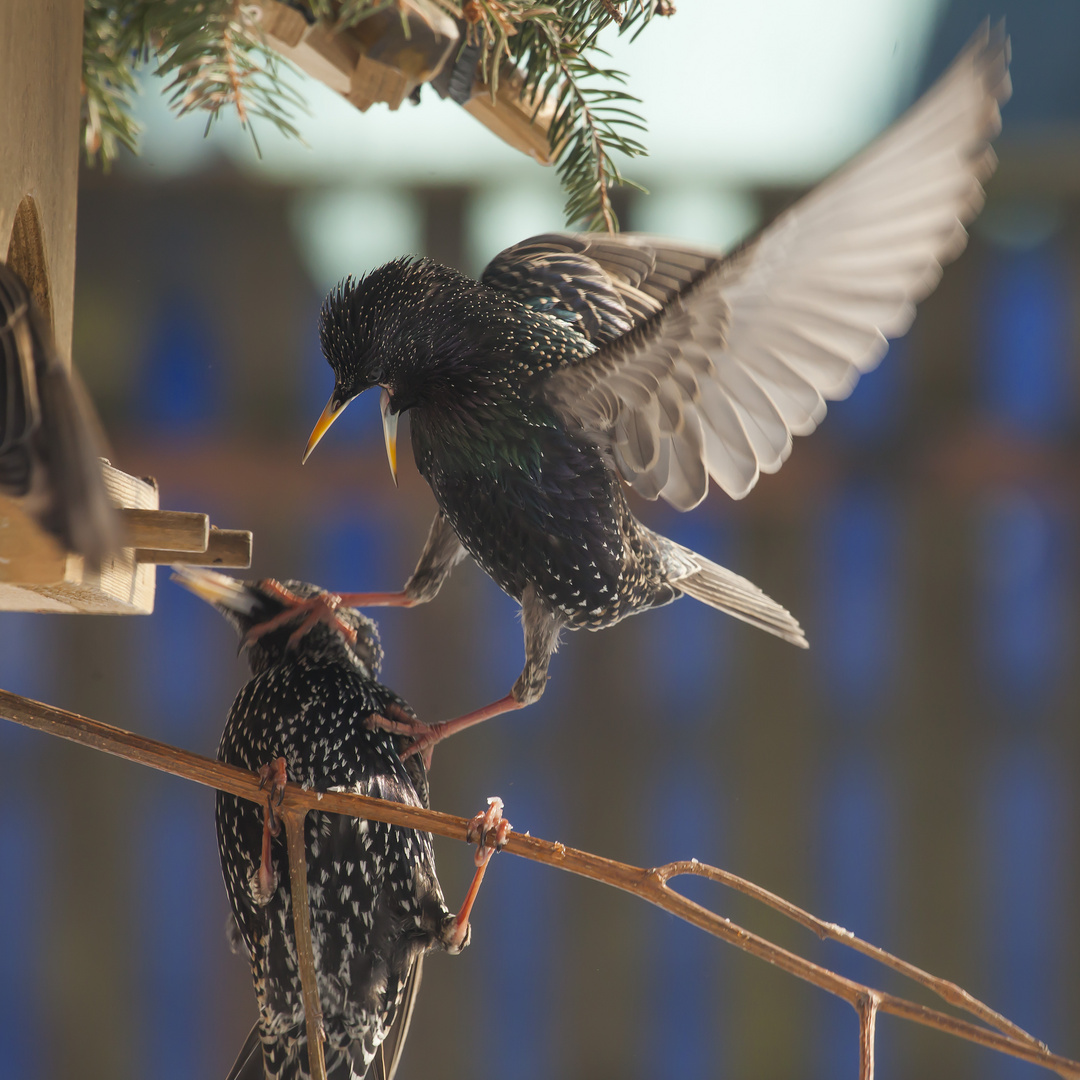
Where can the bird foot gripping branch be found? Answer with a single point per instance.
(273, 779)
(489, 830)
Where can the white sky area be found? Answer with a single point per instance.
(736, 94)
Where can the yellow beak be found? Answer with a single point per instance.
(322, 426)
(216, 589)
(389, 426)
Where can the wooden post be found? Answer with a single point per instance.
(40, 75)
(40, 88)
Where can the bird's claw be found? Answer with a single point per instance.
(319, 608)
(272, 779)
(489, 830)
(405, 724)
(424, 743)
(397, 721)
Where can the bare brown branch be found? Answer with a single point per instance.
(305, 953)
(867, 1010)
(947, 991)
(649, 884)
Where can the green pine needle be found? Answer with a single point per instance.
(213, 49)
(215, 55)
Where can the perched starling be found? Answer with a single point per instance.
(578, 364)
(50, 442)
(376, 904)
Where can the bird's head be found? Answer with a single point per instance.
(378, 330)
(248, 604)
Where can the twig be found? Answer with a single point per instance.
(613, 12)
(649, 884)
(604, 179)
(235, 81)
(947, 991)
(867, 1010)
(305, 953)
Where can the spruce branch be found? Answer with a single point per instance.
(587, 127)
(112, 46)
(212, 49)
(217, 59)
(652, 884)
(594, 117)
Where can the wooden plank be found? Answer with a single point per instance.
(515, 120)
(284, 23)
(373, 81)
(40, 100)
(40, 72)
(166, 530)
(27, 555)
(226, 548)
(375, 61)
(121, 587)
(326, 56)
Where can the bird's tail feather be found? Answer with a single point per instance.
(249, 1062)
(728, 592)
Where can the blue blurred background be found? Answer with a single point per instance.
(912, 776)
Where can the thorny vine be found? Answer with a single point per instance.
(652, 884)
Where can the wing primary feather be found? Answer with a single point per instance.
(754, 344)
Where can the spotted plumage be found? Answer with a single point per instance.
(580, 365)
(376, 903)
(500, 461)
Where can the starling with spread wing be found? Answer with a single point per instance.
(50, 442)
(376, 906)
(581, 364)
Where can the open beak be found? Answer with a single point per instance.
(389, 426)
(332, 411)
(218, 590)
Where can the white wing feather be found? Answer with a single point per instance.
(745, 356)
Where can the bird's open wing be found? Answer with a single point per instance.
(737, 355)
(603, 285)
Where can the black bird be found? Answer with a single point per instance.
(578, 364)
(376, 904)
(50, 441)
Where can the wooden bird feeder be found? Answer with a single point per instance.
(385, 57)
(40, 66)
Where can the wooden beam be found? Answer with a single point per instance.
(40, 101)
(166, 530)
(226, 548)
(376, 60)
(121, 587)
(40, 78)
